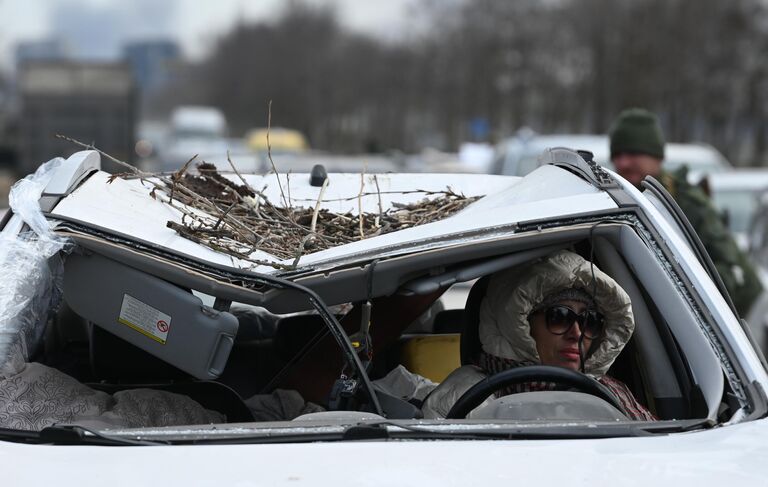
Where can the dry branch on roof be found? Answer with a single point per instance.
(238, 220)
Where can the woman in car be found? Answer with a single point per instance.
(561, 311)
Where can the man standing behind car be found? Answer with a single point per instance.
(637, 151)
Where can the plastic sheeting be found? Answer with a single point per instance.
(30, 286)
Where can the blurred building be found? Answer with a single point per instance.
(91, 102)
(152, 63)
(42, 50)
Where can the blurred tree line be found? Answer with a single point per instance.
(551, 65)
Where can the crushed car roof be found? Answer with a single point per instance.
(126, 207)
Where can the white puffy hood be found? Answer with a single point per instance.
(513, 293)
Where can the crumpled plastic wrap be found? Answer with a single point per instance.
(31, 282)
(406, 385)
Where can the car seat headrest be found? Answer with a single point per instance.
(470, 336)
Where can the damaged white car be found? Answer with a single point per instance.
(221, 337)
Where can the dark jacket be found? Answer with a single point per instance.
(734, 267)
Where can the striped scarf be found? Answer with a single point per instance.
(491, 364)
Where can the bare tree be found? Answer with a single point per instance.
(567, 65)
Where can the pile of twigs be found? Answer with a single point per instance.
(238, 220)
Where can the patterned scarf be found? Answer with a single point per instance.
(491, 364)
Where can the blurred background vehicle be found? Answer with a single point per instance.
(757, 243)
(518, 155)
(701, 159)
(280, 140)
(758, 232)
(202, 131)
(736, 193)
(198, 123)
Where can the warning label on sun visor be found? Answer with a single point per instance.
(145, 319)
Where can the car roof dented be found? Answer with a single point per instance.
(126, 207)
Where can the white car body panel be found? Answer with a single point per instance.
(731, 455)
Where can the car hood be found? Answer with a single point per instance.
(732, 455)
(125, 207)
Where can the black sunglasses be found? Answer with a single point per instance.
(560, 318)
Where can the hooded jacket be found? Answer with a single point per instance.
(505, 331)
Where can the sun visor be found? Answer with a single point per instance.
(161, 318)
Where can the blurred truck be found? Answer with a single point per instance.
(91, 102)
(202, 131)
(198, 122)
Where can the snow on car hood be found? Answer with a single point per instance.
(126, 207)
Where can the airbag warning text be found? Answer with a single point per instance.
(145, 319)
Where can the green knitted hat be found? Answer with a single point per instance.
(637, 131)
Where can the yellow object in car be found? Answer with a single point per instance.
(432, 356)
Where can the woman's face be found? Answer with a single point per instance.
(559, 350)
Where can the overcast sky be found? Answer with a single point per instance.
(97, 28)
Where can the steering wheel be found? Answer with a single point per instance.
(478, 393)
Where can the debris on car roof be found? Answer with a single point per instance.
(238, 220)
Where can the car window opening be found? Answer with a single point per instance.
(283, 366)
